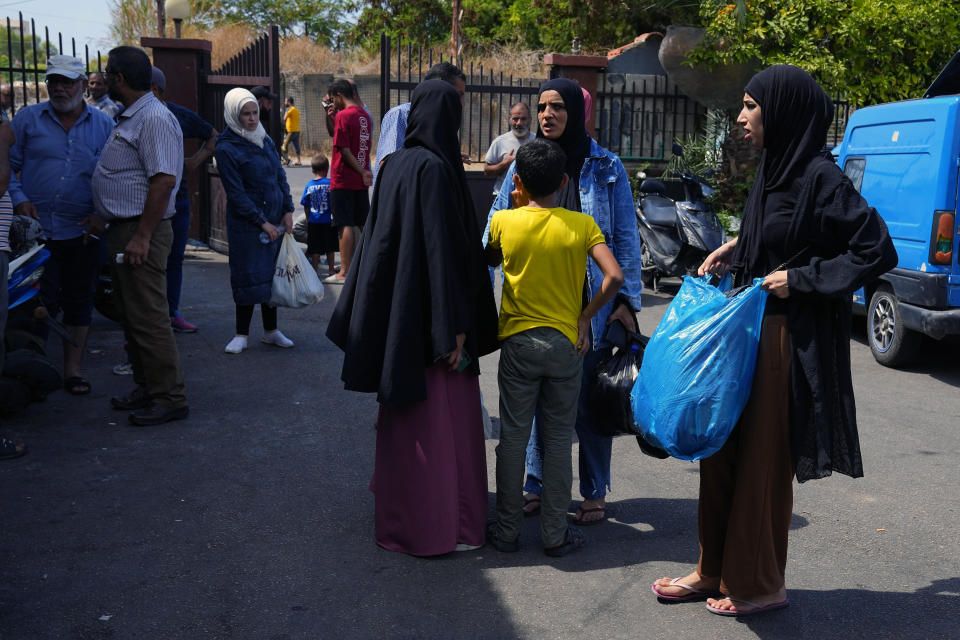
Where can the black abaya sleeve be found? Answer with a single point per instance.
(858, 244)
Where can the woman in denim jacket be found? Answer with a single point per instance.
(258, 200)
(602, 191)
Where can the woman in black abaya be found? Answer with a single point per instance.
(415, 315)
(814, 241)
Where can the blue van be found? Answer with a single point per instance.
(904, 158)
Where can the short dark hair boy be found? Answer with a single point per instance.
(319, 164)
(540, 166)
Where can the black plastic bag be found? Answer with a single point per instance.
(609, 393)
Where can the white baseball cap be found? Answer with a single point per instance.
(66, 66)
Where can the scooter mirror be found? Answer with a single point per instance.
(677, 149)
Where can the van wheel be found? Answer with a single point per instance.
(891, 342)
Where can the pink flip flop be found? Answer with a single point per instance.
(694, 593)
(773, 606)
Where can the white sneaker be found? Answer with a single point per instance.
(236, 345)
(277, 339)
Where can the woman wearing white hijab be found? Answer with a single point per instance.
(258, 200)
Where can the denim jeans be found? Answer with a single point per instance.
(181, 229)
(539, 367)
(594, 462)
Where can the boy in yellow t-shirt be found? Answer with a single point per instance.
(544, 330)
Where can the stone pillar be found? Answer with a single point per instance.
(185, 63)
(584, 70)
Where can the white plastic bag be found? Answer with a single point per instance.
(295, 283)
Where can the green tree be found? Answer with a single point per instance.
(869, 50)
(323, 20)
(424, 22)
(553, 24)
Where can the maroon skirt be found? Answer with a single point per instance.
(430, 475)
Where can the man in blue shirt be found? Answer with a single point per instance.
(57, 146)
(193, 127)
(393, 127)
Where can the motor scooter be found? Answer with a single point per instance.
(27, 372)
(676, 235)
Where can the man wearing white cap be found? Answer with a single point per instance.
(57, 146)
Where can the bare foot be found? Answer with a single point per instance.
(742, 606)
(591, 511)
(666, 586)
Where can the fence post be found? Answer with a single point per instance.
(583, 69)
(184, 62)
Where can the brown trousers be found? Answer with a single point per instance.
(141, 296)
(746, 488)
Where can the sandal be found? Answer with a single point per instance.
(10, 449)
(77, 386)
(498, 543)
(572, 540)
(755, 608)
(692, 593)
(531, 505)
(578, 518)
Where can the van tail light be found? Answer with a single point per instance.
(941, 245)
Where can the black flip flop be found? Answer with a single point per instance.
(10, 449)
(572, 540)
(72, 384)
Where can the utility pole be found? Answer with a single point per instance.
(162, 18)
(454, 32)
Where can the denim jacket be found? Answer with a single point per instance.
(605, 195)
(253, 179)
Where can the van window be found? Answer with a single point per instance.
(854, 170)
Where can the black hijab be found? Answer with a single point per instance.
(418, 277)
(575, 141)
(435, 103)
(796, 114)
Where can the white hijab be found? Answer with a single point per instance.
(232, 103)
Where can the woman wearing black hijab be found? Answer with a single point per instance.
(415, 315)
(813, 240)
(599, 187)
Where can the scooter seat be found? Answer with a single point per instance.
(652, 185)
(659, 211)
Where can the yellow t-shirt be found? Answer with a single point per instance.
(544, 264)
(293, 120)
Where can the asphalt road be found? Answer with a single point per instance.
(252, 518)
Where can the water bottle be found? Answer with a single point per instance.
(265, 237)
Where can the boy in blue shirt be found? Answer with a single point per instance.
(322, 235)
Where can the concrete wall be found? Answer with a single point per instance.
(308, 92)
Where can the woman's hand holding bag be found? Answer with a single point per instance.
(295, 283)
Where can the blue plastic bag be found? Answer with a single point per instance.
(698, 368)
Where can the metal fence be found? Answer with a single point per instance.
(487, 100)
(841, 113)
(639, 117)
(23, 62)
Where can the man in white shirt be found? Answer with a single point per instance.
(502, 149)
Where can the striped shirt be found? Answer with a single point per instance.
(6, 219)
(393, 128)
(6, 215)
(146, 142)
